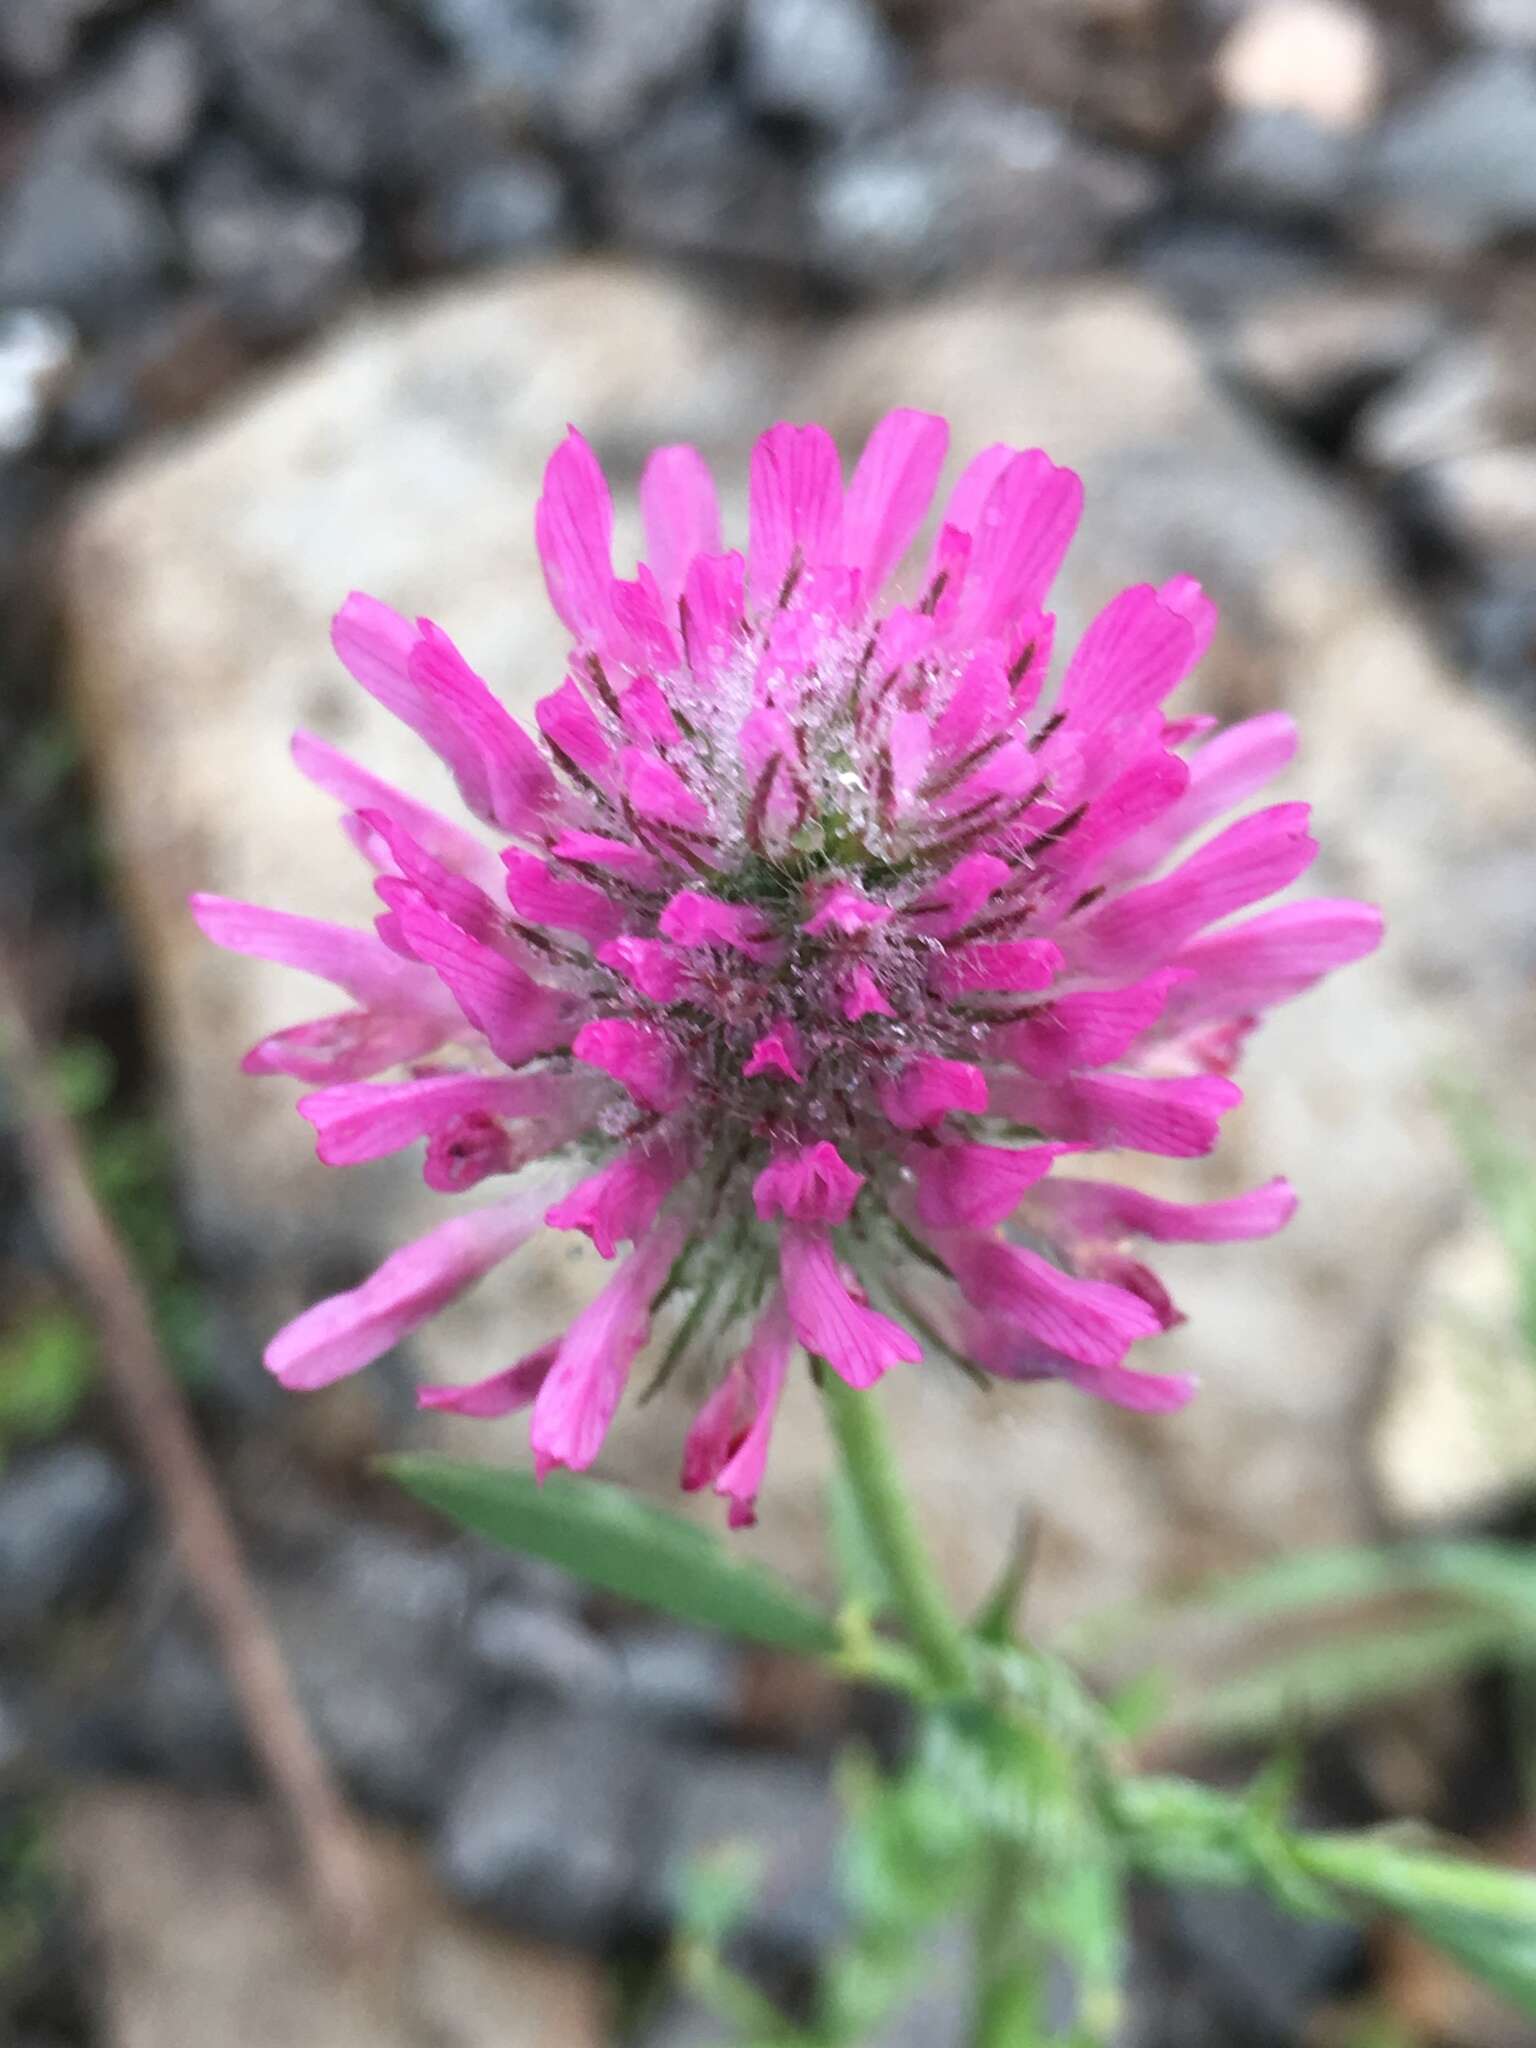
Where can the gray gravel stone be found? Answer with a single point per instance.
(780, 1810)
(624, 58)
(1456, 168)
(698, 184)
(1274, 161)
(374, 1632)
(512, 207)
(280, 256)
(63, 1515)
(334, 88)
(1497, 629)
(589, 71)
(141, 107)
(831, 63)
(37, 37)
(971, 183)
(681, 1679)
(513, 51)
(1320, 352)
(541, 1649)
(83, 237)
(541, 1828)
(1269, 1968)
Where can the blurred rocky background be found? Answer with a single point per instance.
(296, 294)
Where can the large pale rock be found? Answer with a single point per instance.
(405, 457)
(1456, 1435)
(200, 1935)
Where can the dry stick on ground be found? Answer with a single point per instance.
(156, 1417)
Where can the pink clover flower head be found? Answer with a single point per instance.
(807, 941)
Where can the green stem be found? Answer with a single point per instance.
(1009, 1978)
(893, 1538)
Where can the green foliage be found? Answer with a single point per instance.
(48, 1349)
(1368, 1625)
(610, 1539)
(47, 1363)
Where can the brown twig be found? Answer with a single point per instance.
(156, 1417)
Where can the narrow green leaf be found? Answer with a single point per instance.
(1502, 1954)
(1499, 1575)
(1323, 1681)
(608, 1538)
(1482, 1915)
(996, 1620)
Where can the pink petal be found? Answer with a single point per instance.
(1024, 529)
(577, 1401)
(650, 965)
(646, 715)
(657, 791)
(855, 1340)
(367, 1120)
(568, 722)
(811, 1185)
(795, 507)
(890, 491)
(846, 909)
(1222, 773)
(910, 747)
(963, 507)
(349, 1046)
(1083, 1319)
(503, 1393)
(640, 1056)
(501, 774)
(972, 1187)
(1271, 957)
(416, 672)
(1251, 859)
(729, 1438)
(573, 527)
(469, 1148)
(566, 906)
(1016, 965)
(929, 1088)
(1177, 1118)
(1012, 1354)
(1140, 798)
(862, 995)
(642, 632)
(1129, 659)
(517, 1015)
(348, 1331)
(1090, 1029)
(619, 857)
(1142, 1392)
(373, 643)
(353, 960)
(714, 597)
(779, 1051)
(359, 790)
(458, 898)
(1100, 1209)
(694, 919)
(948, 905)
(1184, 595)
(622, 1199)
(681, 512)
(982, 705)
